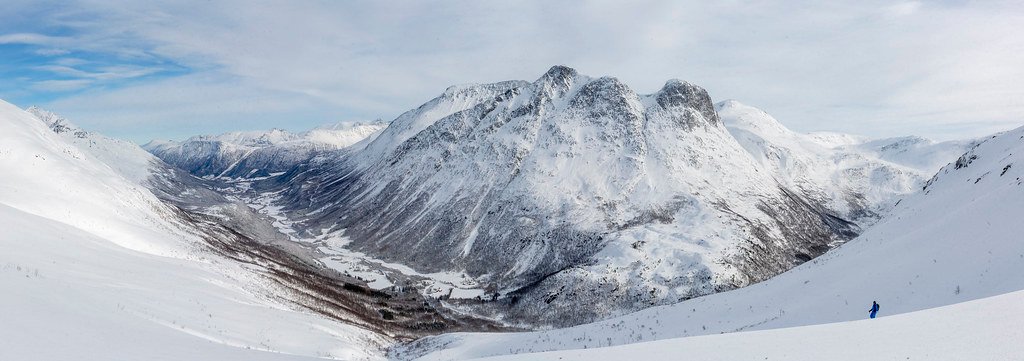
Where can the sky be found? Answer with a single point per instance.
(144, 70)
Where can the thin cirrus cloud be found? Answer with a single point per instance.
(61, 85)
(34, 39)
(136, 69)
(103, 73)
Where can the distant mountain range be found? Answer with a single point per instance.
(256, 153)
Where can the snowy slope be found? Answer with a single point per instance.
(257, 153)
(124, 157)
(956, 240)
(859, 178)
(99, 266)
(69, 295)
(45, 175)
(986, 329)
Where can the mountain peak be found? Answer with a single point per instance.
(560, 72)
(559, 78)
(54, 121)
(677, 93)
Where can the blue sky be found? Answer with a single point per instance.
(143, 70)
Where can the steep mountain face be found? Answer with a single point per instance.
(257, 154)
(565, 191)
(956, 239)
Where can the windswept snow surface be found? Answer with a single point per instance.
(986, 329)
(958, 239)
(69, 295)
(41, 173)
(95, 267)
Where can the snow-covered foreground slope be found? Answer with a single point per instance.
(957, 240)
(986, 329)
(69, 295)
(94, 265)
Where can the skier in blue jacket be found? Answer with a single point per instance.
(874, 309)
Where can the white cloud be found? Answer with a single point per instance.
(846, 66)
(32, 39)
(104, 73)
(61, 85)
(175, 108)
(52, 51)
(901, 9)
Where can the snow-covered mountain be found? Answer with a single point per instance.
(257, 153)
(956, 239)
(96, 264)
(572, 190)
